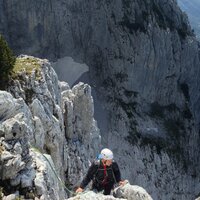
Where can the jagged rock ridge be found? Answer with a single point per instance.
(48, 136)
(45, 116)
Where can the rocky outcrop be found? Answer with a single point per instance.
(128, 192)
(131, 192)
(47, 133)
(92, 195)
(48, 137)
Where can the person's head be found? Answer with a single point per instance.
(106, 156)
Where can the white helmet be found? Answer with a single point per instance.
(106, 154)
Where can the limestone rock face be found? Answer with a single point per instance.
(132, 192)
(143, 63)
(48, 137)
(91, 195)
(40, 151)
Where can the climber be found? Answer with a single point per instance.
(104, 172)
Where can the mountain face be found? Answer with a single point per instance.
(48, 137)
(143, 64)
(192, 8)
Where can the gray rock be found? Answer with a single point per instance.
(46, 176)
(12, 166)
(39, 132)
(142, 58)
(5, 156)
(63, 86)
(6, 145)
(17, 148)
(27, 178)
(7, 105)
(40, 184)
(13, 129)
(129, 192)
(11, 197)
(91, 195)
(16, 181)
(132, 192)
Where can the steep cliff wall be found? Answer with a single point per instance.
(48, 137)
(44, 116)
(144, 64)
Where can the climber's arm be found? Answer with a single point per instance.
(89, 176)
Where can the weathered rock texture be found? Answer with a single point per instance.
(132, 192)
(48, 137)
(45, 116)
(144, 64)
(129, 192)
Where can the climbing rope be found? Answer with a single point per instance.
(52, 168)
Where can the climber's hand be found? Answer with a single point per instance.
(122, 183)
(79, 190)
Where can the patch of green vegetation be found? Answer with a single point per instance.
(7, 61)
(18, 198)
(27, 64)
(7, 189)
(30, 195)
(1, 193)
(26, 193)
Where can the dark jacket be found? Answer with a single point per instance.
(96, 173)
